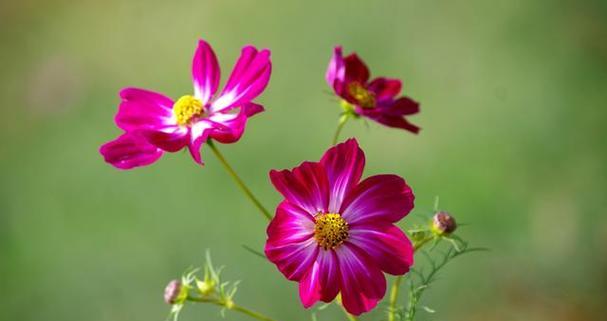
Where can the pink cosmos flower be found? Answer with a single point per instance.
(154, 123)
(334, 233)
(376, 99)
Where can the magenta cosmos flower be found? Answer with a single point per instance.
(334, 233)
(376, 99)
(154, 123)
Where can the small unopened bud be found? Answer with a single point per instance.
(443, 223)
(174, 292)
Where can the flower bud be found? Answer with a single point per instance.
(175, 292)
(443, 223)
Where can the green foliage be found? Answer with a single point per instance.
(421, 279)
(208, 289)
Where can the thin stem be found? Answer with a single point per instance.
(231, 306)
(239, 181)
(342, 121)
(393, 297)
(396, 285)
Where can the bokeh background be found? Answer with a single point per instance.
(513, 114)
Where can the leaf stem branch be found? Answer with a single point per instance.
(231, 306)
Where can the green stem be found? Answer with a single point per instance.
(231, 306)
(396, 285)
(342, 121)
(239, 181)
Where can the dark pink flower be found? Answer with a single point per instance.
(376, 99)
(334, 233)
(154, 123)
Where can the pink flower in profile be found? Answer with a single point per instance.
(334, 233)
(376, 99)
(154, 123)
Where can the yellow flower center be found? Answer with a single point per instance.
(331, 230)
(364, 97)
(187, 108)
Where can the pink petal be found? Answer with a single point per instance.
(393, 121)
(143, 109)
(386, 244)
(129, 151)
(356, 70)
(385, 88)
(329, 275)
(309, 286)
(170, 138)
(362, 283)
(230, 126)
(293, 260)
(344, 164)
(391, 112)
(399, 107)
(336, 71)
(322, 280)
(199, 134)
(252, 109)
(291, 224)
(205, 72)
(305, 186)
(248, 79)
(380, 198)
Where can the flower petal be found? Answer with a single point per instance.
(205, 72)
(170, 138)
(362, 283)
(129, 151)
(344, 164)
(322, 280)
(199, 134)
(399, 107)
(336, 71)
(292, 259)
(385, 88)
(391, 112)
(386, 244)
(143, 109)
(393, 121)
(248, 79)
(230, 126)
(380, 198)
(290, 224)
(252, 109)
(356, 70)
(305, 186)
(290, 243)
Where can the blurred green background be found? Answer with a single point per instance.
(513, 97)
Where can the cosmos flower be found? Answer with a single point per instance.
(154, 123)
(376, 99)
(334, 233)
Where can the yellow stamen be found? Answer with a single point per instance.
(364, 97)
(187, 108)
(331, 230)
